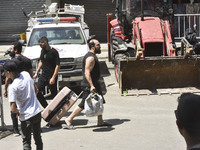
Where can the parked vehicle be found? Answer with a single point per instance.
(141, 47)
(67, 33)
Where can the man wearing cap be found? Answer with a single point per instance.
(24, 103)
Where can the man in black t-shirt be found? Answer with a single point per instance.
(50, 64)
(23, 64)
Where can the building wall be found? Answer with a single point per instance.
(13, 22)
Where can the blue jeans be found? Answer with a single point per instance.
(27, 126)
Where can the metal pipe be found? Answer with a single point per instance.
(142, 10)
(109, 18)
(1, 106)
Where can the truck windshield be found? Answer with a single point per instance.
(56, 36)
(134, 6)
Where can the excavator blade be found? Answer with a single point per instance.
(159, 72)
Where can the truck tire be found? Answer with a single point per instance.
(117, 65)
(113, 45)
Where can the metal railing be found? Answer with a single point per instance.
(185, 21)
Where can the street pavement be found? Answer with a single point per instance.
(139, 123)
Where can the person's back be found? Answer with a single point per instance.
(188, 119)
(24, 64)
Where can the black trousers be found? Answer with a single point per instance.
(33, 124)
(42, 82)
(14, 121)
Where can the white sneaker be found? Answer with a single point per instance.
(16, 134)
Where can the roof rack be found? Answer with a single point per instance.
(53, 11)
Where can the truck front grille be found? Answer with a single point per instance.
(67, 64)
(66, 59)
(66, 67)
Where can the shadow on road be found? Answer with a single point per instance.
(81, 124)
(104, 69)
(113, 122)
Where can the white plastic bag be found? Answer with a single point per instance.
(93, 105)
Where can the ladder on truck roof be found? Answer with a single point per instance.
(54, 11)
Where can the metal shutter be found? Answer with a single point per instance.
(12, 20)
(95, 15)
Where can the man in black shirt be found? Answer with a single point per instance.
(23, 64)
(91, 75)
(50, 64)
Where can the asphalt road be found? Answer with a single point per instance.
(139, 123)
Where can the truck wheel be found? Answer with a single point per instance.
(117, 65)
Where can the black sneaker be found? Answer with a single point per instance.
(48, 125)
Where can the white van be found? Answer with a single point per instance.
(67, 35)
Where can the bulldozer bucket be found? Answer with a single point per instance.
(159, 72)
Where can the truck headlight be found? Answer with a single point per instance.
(79, 61)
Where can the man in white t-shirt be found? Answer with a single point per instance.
(22, 94)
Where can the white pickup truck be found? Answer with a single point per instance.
(66, 34)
